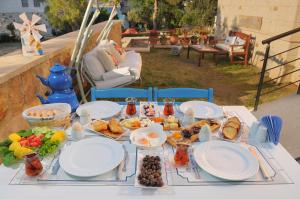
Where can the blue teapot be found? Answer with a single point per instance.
(58, 78)
(60, 83)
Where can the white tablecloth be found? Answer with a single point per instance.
(283, 191)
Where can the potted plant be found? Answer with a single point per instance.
(163, 39)
(174, 37)
(194, 39)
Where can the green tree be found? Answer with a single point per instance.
(65, 15)
(200, 12)
(156, 12)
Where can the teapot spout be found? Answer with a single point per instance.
(43, 100)
(43, 80)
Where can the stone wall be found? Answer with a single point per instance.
(264, 19)
(18, 82)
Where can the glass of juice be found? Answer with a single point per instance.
(131, 106)
(33, 165)
(181, 156)
(169, 106)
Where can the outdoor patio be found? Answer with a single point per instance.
(145, 98)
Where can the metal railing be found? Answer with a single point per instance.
(265, 63)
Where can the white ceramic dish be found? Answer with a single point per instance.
(100, 109)
(63, 111)
(226, 160)
(91, 157)
(142, 133)
(202, 109)
(140, 155)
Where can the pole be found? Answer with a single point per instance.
(262, 76)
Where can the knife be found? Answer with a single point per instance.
(262, 165)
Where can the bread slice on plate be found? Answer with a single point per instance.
(233, 124)
(234, 119)
(230, 132)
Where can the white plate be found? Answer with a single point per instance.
(91, 157)
(140, 155)
(100, 109)
(202, 109)
(226, 160)
(142, 133)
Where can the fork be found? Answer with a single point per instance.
(125, 158)
(193, 165)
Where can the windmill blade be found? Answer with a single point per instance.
(36, 35)
(18, 26)
(23, 16)
(41, 27)
(34, 19)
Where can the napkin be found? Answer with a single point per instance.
(273, 124)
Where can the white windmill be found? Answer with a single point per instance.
(30, 36)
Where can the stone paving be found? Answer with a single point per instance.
(288, 108)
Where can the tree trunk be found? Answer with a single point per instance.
(155, 11)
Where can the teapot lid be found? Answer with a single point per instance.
(57, 68)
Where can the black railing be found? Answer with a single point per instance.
(265, 63)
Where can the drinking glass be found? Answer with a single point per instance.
(131, 107)
(33, 165)
(169, 106)
(181, 156)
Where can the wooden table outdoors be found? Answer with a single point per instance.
(204, 49)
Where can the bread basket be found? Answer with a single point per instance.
(62, 119)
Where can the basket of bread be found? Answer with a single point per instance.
(51, 115)
(232, 129)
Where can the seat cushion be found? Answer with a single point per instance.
(133, 61)
(108, 61)
(223, 46)
(239, 41)
(105, 44)
(114, 82)
(93, 65)
(116, 73)
(230, 40)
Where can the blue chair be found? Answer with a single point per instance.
(121, 93)
(184, 93)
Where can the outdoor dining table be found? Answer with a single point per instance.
(229, 190)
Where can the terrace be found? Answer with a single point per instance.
(207, 100)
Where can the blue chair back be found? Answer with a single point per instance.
(121, 93)
(184, 93)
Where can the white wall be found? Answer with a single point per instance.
(7, 6)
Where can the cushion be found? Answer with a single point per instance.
(108, 46)
(93, 65)
(116, 73)
(114, 82)
(230, 40)
(108, 61)
(228, 48)
(119, 49)
(133, 61)
(239, 41)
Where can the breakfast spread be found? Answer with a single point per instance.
(112, 128)
(190, 134)
(150, 172)
(171, 124)
(231, 128)
(132, 123)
